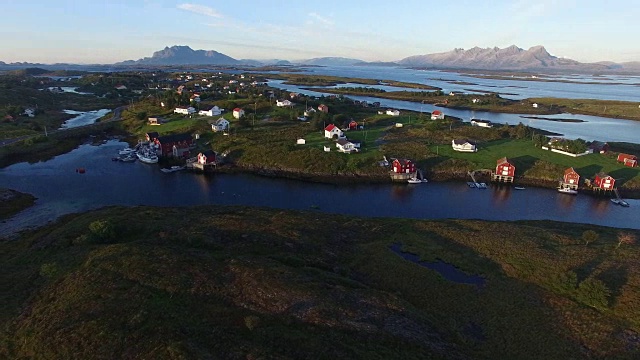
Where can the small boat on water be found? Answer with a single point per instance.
(568, 191)
(481, 185)
(620, 202)
(128, 158)
(615, 201)
(126, 151)
(414, 181)
(172, 169)
(518, 187)
(147, 158)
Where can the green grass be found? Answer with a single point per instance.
(525, 155)
(606, 108)
(237, 282)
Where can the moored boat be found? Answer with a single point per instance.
(568, 191)
(518, 187)
(414, 181)
(172, 169)
(147, 158)
(126, 151)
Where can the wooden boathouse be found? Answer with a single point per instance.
(505, 171)
(570, 180)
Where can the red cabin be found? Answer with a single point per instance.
(505, 168)
(628, 160)
(324, 108)
(207, 157)
(571, 177)
(404, 166)
(168, 142)
(353, 125)
(604, 181)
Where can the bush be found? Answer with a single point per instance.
(594, 293)
(102, 231)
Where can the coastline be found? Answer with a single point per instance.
(14, 202)
(367, 178)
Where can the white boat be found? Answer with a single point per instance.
(568, 191)
(615, 201)
(147, 158)
(126, 151)
(414, 181)
(481, 185)
(172, 169)
(518, 187)
(623, 203)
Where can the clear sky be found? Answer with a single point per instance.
(107, 31)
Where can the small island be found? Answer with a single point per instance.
(12, 202)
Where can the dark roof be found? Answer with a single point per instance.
(174, 138)
(463, 141)
(403, 161)
(602, 175)
(597, 145)
(209, 153)
(152, 134)
(343, 141)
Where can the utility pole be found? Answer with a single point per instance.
(45, 132)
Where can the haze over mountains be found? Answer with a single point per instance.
(536, 58)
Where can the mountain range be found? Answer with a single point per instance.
(536, 58)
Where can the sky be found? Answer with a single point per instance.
(108, 31)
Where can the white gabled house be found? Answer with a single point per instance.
(332, 131)
(309, 111)
(214, 111)
(535, 105)
(393, 112)
(238, 113)
(221, 124)
(464, 145)
(30, 112)
(481, 123)
(347, 146)
(437, 115)
(185, 110)
(283, 103)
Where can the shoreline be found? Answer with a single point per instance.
(364, 179)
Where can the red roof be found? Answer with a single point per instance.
(503, 161)
(237, 109)
(437, 112)
(569, 170)
(330, 127)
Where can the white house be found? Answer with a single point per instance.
(437, 115)
(238, 113)
(184, 110)
(347, 146)
(332, 131)
(121, 87)
(309, 111)
(535, 105)
(393, 112)
(283, 103)
(481, 123)
(221, 124)
(214, 111)
(301, 142)
(464, 145)
(475, 101)
(30, 112)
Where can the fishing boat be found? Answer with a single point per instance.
(414, 181)
(172, 169)
(147, 158)
(568, 191)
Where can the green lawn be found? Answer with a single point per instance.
(525, 155)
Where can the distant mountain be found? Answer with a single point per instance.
(184, 55)
(329, 61)
(510, 58)
(267, 62)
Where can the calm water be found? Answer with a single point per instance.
(592, 127)
(519, 88)
(60, 190)
(82, 118)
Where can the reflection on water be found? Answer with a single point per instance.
(60, 190)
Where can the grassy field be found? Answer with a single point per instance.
(238, 283)
(528, 159)
(606, 108)
(325, 80)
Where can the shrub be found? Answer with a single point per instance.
(102, 231)
(594, 293)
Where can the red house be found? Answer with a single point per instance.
(505, 168)
(604, 181)
(324, 108)
(207, 158)
(353, 125)
(571, 177)
(169, 142)
(628, 160)
(404, 166)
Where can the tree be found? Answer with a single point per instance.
(594, 293)
(589, 236)
(626, 238)
(141, 115)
